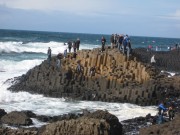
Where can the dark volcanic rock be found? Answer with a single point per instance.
(8, 131)
(166, 60)
(132, 126)
(2, 113)
(117, 78)
(51, 119)
(97, 123)
(168, 128)
(16, 119)
(113, 121)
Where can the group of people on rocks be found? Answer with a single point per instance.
(71, 44)
(74, 44)
(168, 107)
(176, 47)
(122, 42)
(165, 111)
(160, 47)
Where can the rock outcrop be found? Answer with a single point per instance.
(97, 123)
(168, 128)
(16, 119)
(2, 113)
(117, 79)
(165, 60)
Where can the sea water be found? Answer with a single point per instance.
(22, 50)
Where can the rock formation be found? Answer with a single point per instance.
(168, 128)
(16, 119)
(96, 123)
(117, 79)
(165, 60)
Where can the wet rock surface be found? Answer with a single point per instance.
(16, 119)
(97, 123)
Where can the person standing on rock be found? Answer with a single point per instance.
(58, 64)
(171, 113)
(58, 61)
(74, 46)
(153, 61)
(65, 53)
(161, 111)
(112, 41)
(103, 41)
(49, 56)
(69, 46)
(78, 43)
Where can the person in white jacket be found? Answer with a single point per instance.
(153, 59)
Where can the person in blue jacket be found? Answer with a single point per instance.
(161, 109)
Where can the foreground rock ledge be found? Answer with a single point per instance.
(96, 123)
(169, 128)
(117, 79)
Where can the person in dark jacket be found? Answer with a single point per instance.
(103, 41)
(69, 46)
(49, 56)
(78, 43)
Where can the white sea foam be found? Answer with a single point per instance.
(171, 74)
(37, 47)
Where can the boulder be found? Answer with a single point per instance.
(97, 123)
(112, 120)
(2, 113)
(16, 118)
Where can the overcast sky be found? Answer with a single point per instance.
(157, 18)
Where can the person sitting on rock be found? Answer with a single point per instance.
(79, 68)
(92, 71)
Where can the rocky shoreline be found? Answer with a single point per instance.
(87, 123)
(98, 122)
(117, 79)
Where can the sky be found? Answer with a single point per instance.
(154, 18)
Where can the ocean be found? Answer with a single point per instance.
(22, 50)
